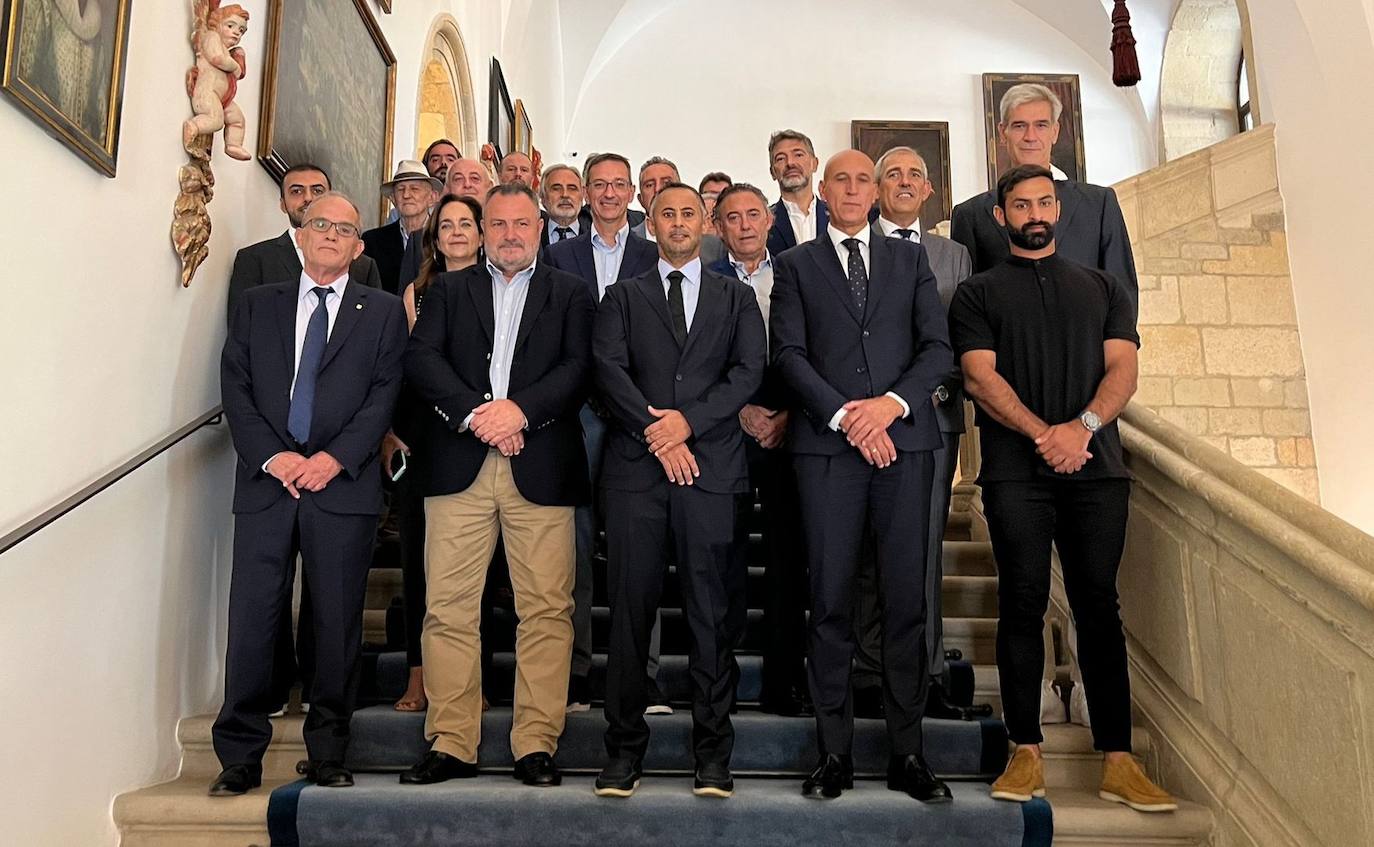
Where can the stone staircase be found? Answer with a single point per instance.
(179, 814)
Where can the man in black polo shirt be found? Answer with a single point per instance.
(1048, 349)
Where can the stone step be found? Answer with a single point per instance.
(987, 688)
(976, 637)
(1082, 819)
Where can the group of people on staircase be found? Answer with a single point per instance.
(530, 367)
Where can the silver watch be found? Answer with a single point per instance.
(1091, 422)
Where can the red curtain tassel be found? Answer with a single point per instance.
(1125, 65)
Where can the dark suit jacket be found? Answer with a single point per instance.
(385, 247)
(575, 256)
(275, 260)
(828, 353)
(448, 364)
(781, 237)
(772, 393)
(708, 379)
(359, 379)
(584, 224)
(1091, 231)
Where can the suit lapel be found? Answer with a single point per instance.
(287, 258)
(586, 266)
(651, 288)
(479, 288)
(1068, 205)
(628, 261)
(711, 295)
(822, 216)
(783, 222)
(350, 311)
(535, 298)
(823, 254)
(879, 270)
(286, 327)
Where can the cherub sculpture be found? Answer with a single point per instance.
(213, 82)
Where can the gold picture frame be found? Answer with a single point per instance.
(930, 139)
(523, 130)
(329, 99)
(1067, 154)
(65, 68)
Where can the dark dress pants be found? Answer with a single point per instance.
(644, 531)
(294, 652)
(1086, 521)
(335, 551)
(408, 501)
(843, 496)
(868, 649)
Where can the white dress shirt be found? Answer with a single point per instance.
(890, 229)
(551, 232)
(691, 285)
(508, 306)
(307, 301)
(837, 238)
(803, 222)
(761, 280)
(608, 258)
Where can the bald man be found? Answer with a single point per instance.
(516, 167)
(859, 337)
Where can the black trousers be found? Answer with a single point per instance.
(408, 501)
(784, 597)
(842, 497)
(294, 657)
(335, 551)
(868, 649)
(1086, 521)
(644, 531)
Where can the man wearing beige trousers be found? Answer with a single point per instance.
(502, 352)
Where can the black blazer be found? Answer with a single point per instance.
(575, 257)
(1091, 231)
(709, 379)
(773, 393)
(359, 379)
(386, 247)
(448, 364)
(275, 260)
(828, 353)
(781, 237)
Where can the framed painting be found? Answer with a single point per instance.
(930, 139)
(501, 114)
(63, 62)
(524, 130)
(329, 96)
(1067, 154)
(385, 6)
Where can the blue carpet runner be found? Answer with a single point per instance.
(495, 812)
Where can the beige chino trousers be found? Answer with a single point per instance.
(460, 537)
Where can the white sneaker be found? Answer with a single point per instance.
(1051, 704)
(1078, 706)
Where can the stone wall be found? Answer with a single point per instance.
(1220, 352)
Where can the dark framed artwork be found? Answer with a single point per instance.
(385, 5)
(930, 139)
(329, 96)
(523, 139)
(501, 114)
(1067, 153)
(63, 63)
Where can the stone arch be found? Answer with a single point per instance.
(445, 106)
(1200, 74)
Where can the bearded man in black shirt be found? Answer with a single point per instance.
(1048, 349)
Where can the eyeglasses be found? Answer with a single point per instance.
(343, 228)
(602, 185)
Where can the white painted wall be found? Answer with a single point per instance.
(112, 620)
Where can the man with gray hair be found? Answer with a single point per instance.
(799, 214)
(1091, 229)
(655, 173)
(561, 194)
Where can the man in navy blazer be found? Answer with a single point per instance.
(862, 343)
(310, 375)
(678, 351)
(792, 162)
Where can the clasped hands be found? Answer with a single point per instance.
(765, 426)
(667, 440)
(1064, 447)
(865, 424)
(297, 473)
(500, 424)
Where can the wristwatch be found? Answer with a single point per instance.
(1091, 422)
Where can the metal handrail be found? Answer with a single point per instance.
(52, 514)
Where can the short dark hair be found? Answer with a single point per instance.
(510, 189)
(597, 158)
(674, 185)
(436, 143)
(299, 168)
(715, 176)
(1018, 175)
(741, 188)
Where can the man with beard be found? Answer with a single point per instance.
(560, 192)
(438, 156)
(799, 214)
(516, 167)
(1048, 350)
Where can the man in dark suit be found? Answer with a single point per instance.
(799, 215)
(860, 338)
(604, 253)
(503, 353)
(564, 216)
(279, 258)
(655, 173)
(903, 188)
(1091, 228)
(310, 375)
(678, 352)
(413, 192)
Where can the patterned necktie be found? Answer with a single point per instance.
(907, 234)
(563, 232)
(858, 277)
(675, 308)
(312, 352)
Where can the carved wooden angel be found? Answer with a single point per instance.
(213, 82)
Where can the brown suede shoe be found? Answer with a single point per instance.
(1124, 782)
(1023, 779)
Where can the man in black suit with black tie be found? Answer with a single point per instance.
(310, 375)
(678, 351)
(413, 192)
(860, 338)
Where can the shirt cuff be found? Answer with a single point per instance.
(269, 460)
(906, 410)
(837, 417)
(467, 422)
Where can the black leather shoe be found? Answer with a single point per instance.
(833, 774)
(325, 773)
(911, 774)
(537, 769)
(713, 780)
(791, 702)
(619, 778)
(938, 705)
(235, 780)
(438, 767)
(868, 702)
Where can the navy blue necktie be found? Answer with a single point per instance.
(312, 352)
(858, 277)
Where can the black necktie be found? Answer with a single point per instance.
(907, 234)
(302, 407)
(858, 277)
(563, 232)
(675, 308)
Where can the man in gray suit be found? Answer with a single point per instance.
(903, 188)
(655, 173)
